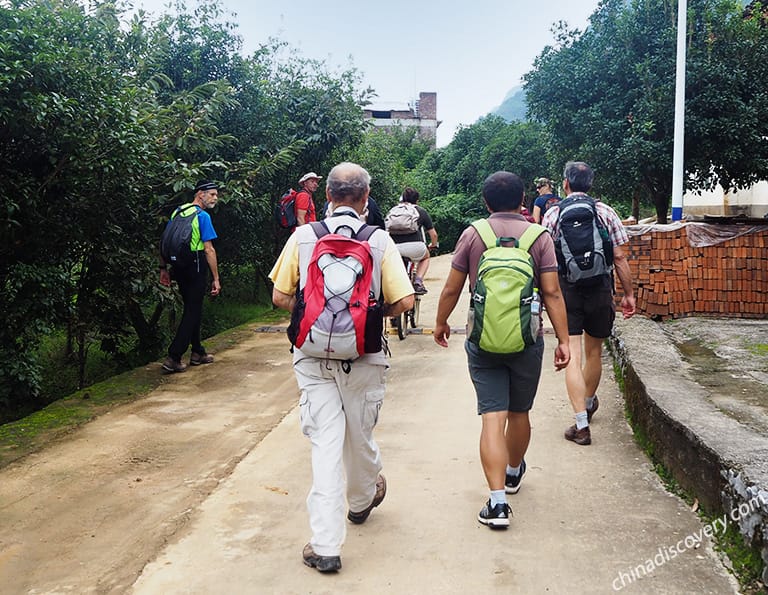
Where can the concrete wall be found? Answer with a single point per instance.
(720, 461)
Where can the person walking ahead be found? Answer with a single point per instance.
(305, 204)
(340, 400)
(505, 384)
(591, 310)
(192, 279)
(412, 245)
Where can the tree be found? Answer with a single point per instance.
(606, 96)
(104, 129)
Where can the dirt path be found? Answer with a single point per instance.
(200, 488)
(88, 513)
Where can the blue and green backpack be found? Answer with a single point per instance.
(504, 306)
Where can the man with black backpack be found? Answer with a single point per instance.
(339, 278)
(187, 247)
(588, 237)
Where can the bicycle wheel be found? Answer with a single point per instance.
(399, 323)
(414, 313)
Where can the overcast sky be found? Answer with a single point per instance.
(469, 53)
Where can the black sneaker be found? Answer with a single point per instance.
(512, 483)
(496, 517)
(322, 563)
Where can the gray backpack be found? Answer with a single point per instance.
(402, 219)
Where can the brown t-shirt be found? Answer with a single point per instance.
(470, 246)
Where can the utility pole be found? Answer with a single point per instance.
(678, 166)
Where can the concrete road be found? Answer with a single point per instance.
(587, 520)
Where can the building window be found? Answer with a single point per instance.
(382, 115)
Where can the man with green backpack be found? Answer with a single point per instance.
(511, 265)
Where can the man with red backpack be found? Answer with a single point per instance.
(338, 356)
(305, 204)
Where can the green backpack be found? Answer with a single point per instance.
(504, 307)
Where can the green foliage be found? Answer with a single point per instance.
(105, 128)
(388, 157)
(606, 96)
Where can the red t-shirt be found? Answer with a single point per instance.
(304, 202)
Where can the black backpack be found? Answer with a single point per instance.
(176, 241)
(583, 246)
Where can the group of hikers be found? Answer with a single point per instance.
(342, 277)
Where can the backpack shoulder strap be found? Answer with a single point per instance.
(182, 208)
(486, 232)
(320, 228)
(365, 232)
(530, 235)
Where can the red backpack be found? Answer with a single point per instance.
(285, 210)
(337, 316)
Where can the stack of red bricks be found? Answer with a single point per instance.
(673, 279)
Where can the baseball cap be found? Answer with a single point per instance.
(309, 176)
(543, 182)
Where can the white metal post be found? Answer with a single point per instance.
(678, 167)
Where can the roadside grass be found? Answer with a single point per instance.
(744, 560)
(39, 429)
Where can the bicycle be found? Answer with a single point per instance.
(401, 321)
(410, 317)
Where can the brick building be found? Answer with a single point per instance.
(421, 113)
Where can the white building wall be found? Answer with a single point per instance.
(751, 202)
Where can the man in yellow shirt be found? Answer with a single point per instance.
(340, 400)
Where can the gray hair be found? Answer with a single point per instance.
(348, 183)
(579, 175)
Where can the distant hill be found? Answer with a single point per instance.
(514, 107)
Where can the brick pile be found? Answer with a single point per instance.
(674, 279)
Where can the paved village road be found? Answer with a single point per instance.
(200, 488)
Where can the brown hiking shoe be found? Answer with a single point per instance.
(591, 410)
(322, 563)
(582, 436)
(197, 359)
(171, 366)
(381, 490)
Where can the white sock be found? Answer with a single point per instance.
(513, 471)
(498, 497)
(581, 420)
(590, 401)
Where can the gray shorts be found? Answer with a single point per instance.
(416, 251)
(505, 382)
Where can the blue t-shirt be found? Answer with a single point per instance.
(541, 201)
(207, 233)
(202, 230)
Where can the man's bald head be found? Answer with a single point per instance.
(348, 184)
